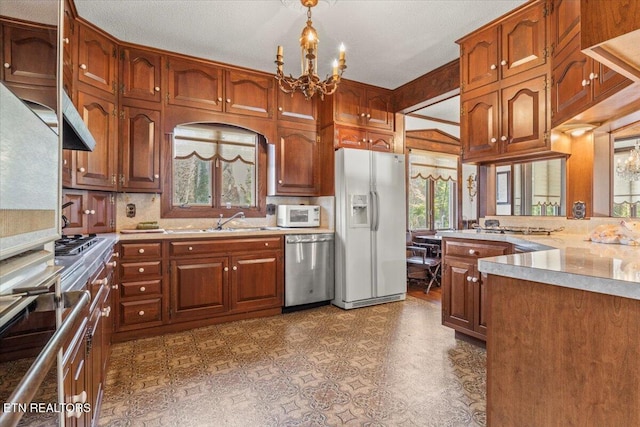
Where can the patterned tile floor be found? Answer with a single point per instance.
(388, 365)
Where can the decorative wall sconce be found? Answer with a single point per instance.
(472, 185)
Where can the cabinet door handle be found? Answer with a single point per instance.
(474, 279)
(81, 170)
(156, 176)
(468, 278)
(219, 99)
(141, 270)
(586, 82)
(362, 114)
(279, 108)
(114, 286)
(106, 311)
(279, 181)
(157, 88)
(228, 100)
(79, 398)
(141, 313)
(141, 251)
(503, 62)
(83, 66)
(235, 267)
(92, 212)
(226, 269)
(87, 211)
(503, 138)
(142, 289)
(593, 76)
(368, 116)
(493, 66)
(493, 140)
(65, 40)
(115, 254)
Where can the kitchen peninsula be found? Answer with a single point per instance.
(562, 318)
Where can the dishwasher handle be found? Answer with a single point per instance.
(309, 239)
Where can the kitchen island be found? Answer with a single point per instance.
(563, 323)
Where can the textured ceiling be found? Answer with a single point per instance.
(388, 43)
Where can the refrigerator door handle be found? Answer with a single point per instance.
(375, 223)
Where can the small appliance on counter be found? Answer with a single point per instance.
(298, 216)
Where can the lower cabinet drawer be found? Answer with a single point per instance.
(140, 270)
(138, 289)
(476, 249)
(140, 313)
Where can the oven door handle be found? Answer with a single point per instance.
(31, 381)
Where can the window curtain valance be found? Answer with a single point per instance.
(433, 166)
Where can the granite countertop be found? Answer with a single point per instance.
(562, 259)
(181, 234)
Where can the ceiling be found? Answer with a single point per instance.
(389, 42)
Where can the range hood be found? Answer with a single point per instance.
(75, 134)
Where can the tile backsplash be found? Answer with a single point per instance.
(148, 209)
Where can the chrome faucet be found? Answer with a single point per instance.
(221, 223)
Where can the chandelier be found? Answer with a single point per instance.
(630, 169)
(309, 83)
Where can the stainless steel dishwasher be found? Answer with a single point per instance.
(308, 269)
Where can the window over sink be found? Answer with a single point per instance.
(215, 169)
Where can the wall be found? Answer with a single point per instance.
(148, 209)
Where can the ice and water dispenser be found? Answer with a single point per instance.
(359, 209)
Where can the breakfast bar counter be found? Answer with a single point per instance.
(562, 328)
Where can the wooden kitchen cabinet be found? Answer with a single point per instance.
(256, 281)
(199, 287)
(140, 77)
(69, 48)
(97, 60)
(140, 301)
(513, 45)
(91, 212)
(75, 378)
(249, 94)
(359, 105)
(295, 108)
(297, 163)
(139, 149)
(194, 84)
(97, 169)
(29, 61)
(464, 288)
(580, 82)
(212, 278)
(347, 137)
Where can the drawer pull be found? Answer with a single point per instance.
(79, 398)
(112, 264)
(190, 248)
(472, 252)
(100, 282)
(266, 244)
(142, 289)
(106, 311)
(114, 286)
(115, 254)
(141, 313)
(141, 270)
(141, 251)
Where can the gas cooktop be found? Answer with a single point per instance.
(74, 245)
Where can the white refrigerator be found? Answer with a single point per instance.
(370, 259)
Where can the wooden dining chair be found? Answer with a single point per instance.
(423, 259)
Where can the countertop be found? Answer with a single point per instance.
(561, 259)
(223, 234)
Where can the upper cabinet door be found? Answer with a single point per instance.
(140, 150)
(524, 37)
(348, 103)
(249, 94)
(192, 84)
(294, 107)
(298, 162)
(565, 23)
(524, 116)
(140, 75)
(479, 59)
(480, 126)
(96, 60)
(378, 112)
(29, 56)
(97, 169)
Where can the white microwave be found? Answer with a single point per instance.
(298, 216)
